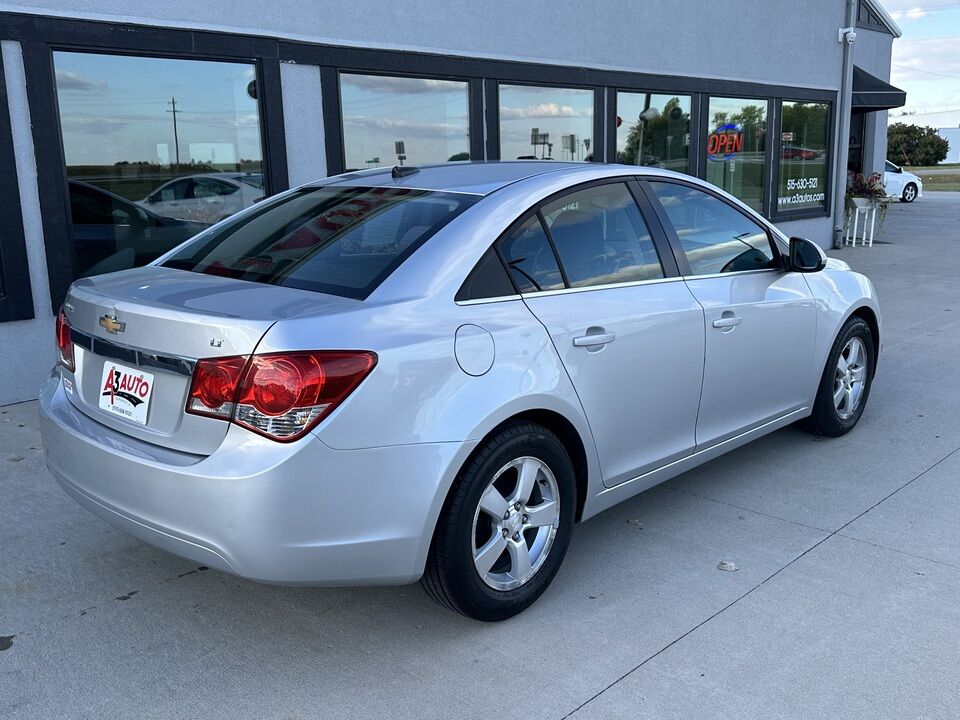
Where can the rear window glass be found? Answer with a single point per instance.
(341, 241)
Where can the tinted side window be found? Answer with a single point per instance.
(528, 254)
(601, 237)
(715, 236)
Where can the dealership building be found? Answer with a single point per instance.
(126, 127)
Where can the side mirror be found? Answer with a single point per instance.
(806, 256)
(898, 170)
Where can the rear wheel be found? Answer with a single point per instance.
(909, 193)
(845, 384)
(505, 527)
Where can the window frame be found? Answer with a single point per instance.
(807, 213)
(339, 147)
(696, 142)
(599, 102)
(39, 42)
(676, 245)
(661, 242)
(16, 291)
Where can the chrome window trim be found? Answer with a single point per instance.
(731, 274)
(484, 301)
(608, 286)
(142, 358)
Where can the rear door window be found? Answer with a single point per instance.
(530, 259)
(601, 237)
(341, 241)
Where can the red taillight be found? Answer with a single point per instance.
(214, 386)
(64, 343)
(281, 395)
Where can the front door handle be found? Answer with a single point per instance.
(592, 340)
(727, 321)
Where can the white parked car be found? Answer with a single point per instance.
(206, 198)
(902, 184)
(436, 373)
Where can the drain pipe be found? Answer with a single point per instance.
(847, 36)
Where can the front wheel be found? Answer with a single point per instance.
(909, 193)
(845, 384)
(505, 526)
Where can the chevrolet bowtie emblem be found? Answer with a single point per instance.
(111, 324)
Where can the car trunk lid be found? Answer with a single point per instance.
(137, 335)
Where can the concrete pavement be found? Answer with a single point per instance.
(845, 601)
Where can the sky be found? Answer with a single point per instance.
(926, 60)
(115, 108)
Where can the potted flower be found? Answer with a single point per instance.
(868, 191)
(863, 191)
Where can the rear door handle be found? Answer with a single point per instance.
(727, 321)
(591, 340)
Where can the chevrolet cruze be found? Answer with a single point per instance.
(434, 373)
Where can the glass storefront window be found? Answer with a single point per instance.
(654, 130)
(156, 150)
(736, 140)
(545, 123)
(403, 120)
(804, 169)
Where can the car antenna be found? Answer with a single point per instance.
(400, 171)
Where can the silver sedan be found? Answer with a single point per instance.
(434, 373)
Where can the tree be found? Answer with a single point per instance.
(662, 138)
(459, 156)
(915, 145)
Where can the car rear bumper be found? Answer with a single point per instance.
(298, 513)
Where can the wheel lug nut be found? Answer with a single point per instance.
(516, 537)
(505, 533)
(525, 518)
(506, 515)
(516, 506)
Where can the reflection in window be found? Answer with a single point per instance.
(402, 120)
(531, 261)
(156, 150)
(736, 141)
(804, 129)
(716, 237)
(653, 130)
(545, 123)
(601, 237)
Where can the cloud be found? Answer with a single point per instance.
(912, 14)
(401, 127)
(543, 110)
(67, 80)
(895, 7)
(402, 85)
(925, 59)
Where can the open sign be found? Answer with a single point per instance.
(725, 142)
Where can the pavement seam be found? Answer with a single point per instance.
(749, 510)
(899, 552)
(831, 534)
(696, 627)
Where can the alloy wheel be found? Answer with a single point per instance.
(909, 193)
(515, 523)
(850, 378)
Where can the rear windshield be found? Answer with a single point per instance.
(336, 240)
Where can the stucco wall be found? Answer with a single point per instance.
(872, 52)
(748, 40)
(26, 346)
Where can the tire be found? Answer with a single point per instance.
(833, 418)
(452, 576)
(909, 193)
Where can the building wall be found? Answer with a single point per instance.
(745, 41)
(952, 136)
(872, 52)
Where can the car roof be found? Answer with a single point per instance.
(480, 177)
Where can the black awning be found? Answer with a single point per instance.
(871, 93)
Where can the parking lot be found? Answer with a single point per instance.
(840, 597)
